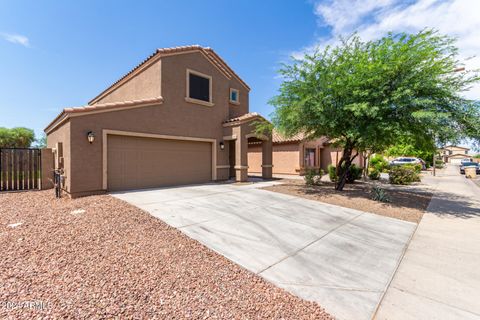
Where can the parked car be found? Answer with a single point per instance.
(469, 165)
(408, 160)
(465, 160)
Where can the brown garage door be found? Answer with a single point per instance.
(135, 162)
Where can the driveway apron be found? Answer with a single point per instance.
(342, 258)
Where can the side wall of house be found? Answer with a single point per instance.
(62, 135)
(146, 84)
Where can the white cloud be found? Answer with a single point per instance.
(16, 38)
(374, 18)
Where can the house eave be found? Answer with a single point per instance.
(100, 108)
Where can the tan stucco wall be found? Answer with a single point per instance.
(286, 158)
(329, 156)
(255, 158)
(174, 117)
(62, 134)
(144, 85)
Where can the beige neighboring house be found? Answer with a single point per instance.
(179, 117)
(454, 154)
(295, 154)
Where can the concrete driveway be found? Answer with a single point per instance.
(342, 258)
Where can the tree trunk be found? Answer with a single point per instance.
(342, 174)
(345, 161)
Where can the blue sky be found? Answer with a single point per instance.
(75, 49)
(56, 54)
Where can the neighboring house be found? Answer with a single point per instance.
(179, 117)
(293, 155)
(454, 154)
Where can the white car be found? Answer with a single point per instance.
(405, 160)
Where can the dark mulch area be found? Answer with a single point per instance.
(406, 204)
(116, 261)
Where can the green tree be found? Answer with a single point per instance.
(16, 137)
(414, 147)
(367, 95)
(42, 141)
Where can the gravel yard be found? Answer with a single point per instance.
(99, 257)
(405, 204)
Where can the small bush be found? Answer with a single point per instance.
(373, 174)
(416, 167)
(439, 164)
(313, 177)
(355, 173)
(378, 162)
(379, 194)
(403, 175)
(332, 173)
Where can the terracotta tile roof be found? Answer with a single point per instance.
(106, 106)
(211, 55)
(277, 137)
(246, 116)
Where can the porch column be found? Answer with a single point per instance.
(267, 159)
(241, 156)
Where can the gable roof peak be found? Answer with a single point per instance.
(208, 53)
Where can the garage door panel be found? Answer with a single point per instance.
(135, 162)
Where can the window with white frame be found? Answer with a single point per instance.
(234, 96)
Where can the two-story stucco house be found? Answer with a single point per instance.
(454, 154)
(179, 117)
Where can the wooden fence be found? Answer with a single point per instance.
(20, 169)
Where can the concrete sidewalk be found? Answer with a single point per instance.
(439, 276)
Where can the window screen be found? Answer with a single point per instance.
(199, 87)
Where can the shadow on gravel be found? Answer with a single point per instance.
(401, 196)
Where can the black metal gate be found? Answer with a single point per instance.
(20, 169)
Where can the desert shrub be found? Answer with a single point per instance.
(309, 177)
(439, 164)
(332, 173)
(313, 177)
(379, 194)
(373, 173)
(355, 173)
(417, 167)
(403, 175)
(378, 162)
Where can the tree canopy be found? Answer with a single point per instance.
(369, 95)
(409, 146)
(16, 137)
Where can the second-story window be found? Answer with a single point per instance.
(234, 96)
(199, 87)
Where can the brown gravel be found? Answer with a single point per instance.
(405, 204)
(116, 261)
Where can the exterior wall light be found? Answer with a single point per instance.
(222, 145)
(90, 137)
